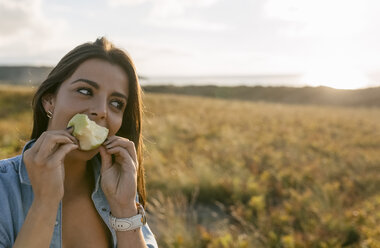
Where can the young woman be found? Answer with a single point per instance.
(56, 195)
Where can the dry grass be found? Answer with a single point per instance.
(241, 174)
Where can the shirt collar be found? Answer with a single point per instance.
(23, 173)
(96, 168)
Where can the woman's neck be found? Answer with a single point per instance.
(78, 178)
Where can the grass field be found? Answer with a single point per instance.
(224, 173)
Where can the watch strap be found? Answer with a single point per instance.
(126, 224)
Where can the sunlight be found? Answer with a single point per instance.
(338, 79)
(336, 53)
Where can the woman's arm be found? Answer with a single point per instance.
(119, 184)
(44, 163)
(132, 238)
(37, 230)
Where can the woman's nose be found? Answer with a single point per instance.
(99, 110)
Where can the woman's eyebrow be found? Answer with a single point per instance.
(92, 83)
(120, 95)
(96, 86)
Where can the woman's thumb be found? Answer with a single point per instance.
(106, 159)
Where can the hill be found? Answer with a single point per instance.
(23, 75)
(28, 75)
(307, 95)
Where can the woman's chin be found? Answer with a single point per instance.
(84, 155)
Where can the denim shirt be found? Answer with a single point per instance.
(16, 197)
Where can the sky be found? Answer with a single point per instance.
(329, 42)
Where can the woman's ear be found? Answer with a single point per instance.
(48, 101)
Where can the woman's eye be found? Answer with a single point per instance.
(118, 104)
(85, 91)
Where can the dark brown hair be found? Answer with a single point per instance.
(131, 127)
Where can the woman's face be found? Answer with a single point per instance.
(98, 89)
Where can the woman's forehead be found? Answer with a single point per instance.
(102, 73)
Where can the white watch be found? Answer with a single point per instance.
(128, 224)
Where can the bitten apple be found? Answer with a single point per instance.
(89, 134)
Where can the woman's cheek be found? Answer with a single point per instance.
(115, 125)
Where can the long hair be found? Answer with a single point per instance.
(131, 127)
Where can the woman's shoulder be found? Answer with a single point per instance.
(9, 179)
(13, 189)
(10, 166)
(13, 169)
(9, 175)
(12, 198)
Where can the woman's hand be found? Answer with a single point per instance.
(119, 177)
(44, 162)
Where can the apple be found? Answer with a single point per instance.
(89, 134)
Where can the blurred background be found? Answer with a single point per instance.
(262, 118)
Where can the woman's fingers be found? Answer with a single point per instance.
(106, 159)
(45, 163)
(123, 142)
(123, 153)
(52, 143)
(61, 152)
(41, 139)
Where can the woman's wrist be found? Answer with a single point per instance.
(45, 205)
(125, 211)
